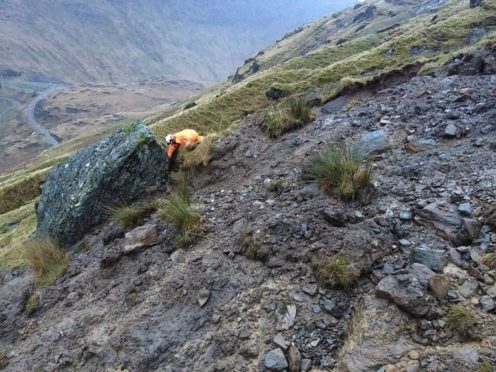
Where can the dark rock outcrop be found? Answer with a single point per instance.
(408, 290)
(120, 168)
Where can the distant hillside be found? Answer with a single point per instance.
(120, 41)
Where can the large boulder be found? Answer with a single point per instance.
(119, 169)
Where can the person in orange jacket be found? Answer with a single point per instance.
(187, 138)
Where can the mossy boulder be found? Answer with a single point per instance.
(277, 91)
(119, 169)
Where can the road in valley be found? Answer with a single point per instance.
(31, 116)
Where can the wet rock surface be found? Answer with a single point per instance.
(118, 169)
(208, 307)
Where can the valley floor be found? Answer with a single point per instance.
(432, 143)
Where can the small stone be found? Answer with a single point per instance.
(294, 359)
(432, 258)
(491, 292)
(177, 256)
(465, 209)
(487, 303)
(414, 355)
(387, 268)
(280, 341)
(452, 295)
(404, 242)
(451, 131)
(456, 258)
(439, 285)
(306, 364)
(406, 215)
(287, 320)
(275, 360)
(413, 366)
(468, 288)
(316, 309)
(310, 289)
(203, 297)
(332, 308)
(467, 355)
(143, 236)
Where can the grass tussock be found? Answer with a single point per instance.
(489, 259)
(287, 116)
(3, 358)
(132, 215)
(335, 273)
(199, 157)
(178, 211)
(341, 170)
(46, 259)
(460, 319)
(486, 366)
(252, 250)
(32, 304)
(275, 186)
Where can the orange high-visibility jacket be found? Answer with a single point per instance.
(186, 138)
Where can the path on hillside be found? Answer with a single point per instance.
(31, 115)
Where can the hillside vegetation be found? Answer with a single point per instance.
(362, 51)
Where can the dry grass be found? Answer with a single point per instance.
(32, 304)
(46, 259)
(340, 170)
(275, 186)
(199, 157)
(335, 273)
(178, 211)
(132, 215)
(489, 259)
(460, 319)
(287, 116)
(250, 249)
(487, 367)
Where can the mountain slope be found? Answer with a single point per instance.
(119, 41)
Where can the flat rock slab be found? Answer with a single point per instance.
(373, 143)
(378, 338)
(335, 105)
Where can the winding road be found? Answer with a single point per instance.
(32, 107)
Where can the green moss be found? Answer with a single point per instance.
(32, 304)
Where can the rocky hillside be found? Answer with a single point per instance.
(418, 244)
(128, 41)
(342, 218)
